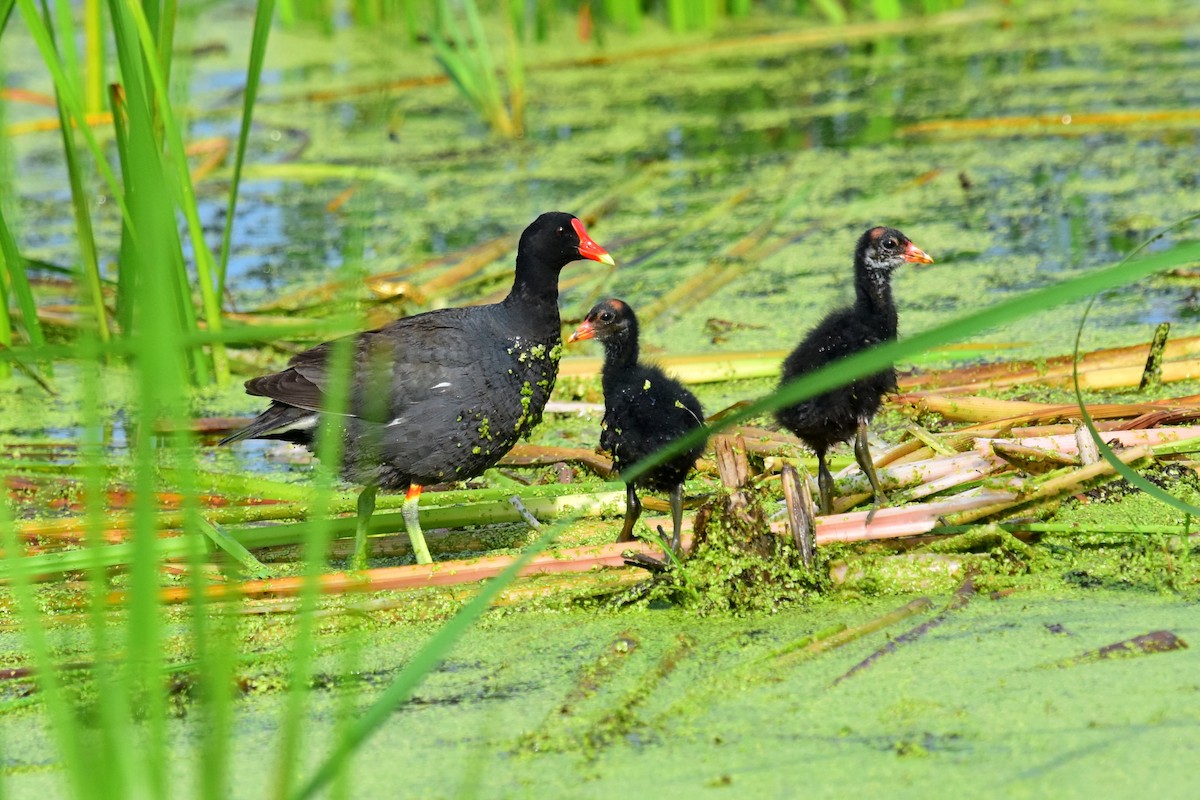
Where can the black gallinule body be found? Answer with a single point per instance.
(643, 411)
(439, 396)
(838, 414)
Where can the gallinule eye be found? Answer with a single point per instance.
(643, 411)
(838, 414)
(439, 396)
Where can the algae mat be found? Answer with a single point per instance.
(666, 704)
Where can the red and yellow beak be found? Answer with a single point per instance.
(588, 248)
(583, 332)
(915, 255)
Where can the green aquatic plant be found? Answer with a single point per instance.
(155, 187)
(466, 57)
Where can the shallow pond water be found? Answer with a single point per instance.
(827, 137)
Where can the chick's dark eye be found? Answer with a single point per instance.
(606, 316)
(889, 244)
(561, 230)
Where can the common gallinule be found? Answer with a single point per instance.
(439, 396)
(838, 414)
(643, 411)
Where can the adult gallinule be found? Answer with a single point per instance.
(643, 411)
(439, 396)
(838, 414)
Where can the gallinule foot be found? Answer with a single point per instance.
(838, 414)
(643, 411)
(439, 396)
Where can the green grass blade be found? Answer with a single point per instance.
(329, 449)
(482, 51)
(94, 48)
(258, 50)
(832, 10)
(182, 184)
(886, 10)
(114, 757)
(10, 260)
(65, 729)
(62, 85)
(63, 22)
(89, 263)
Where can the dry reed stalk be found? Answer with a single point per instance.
(1152, 371)
(801, 511)
(1130, 377)
(1084, 124)
(445, 573)
(1069, 443)
(545, 586)
(1013, 412)
(212, 154)
(910, 450)
(889, 523)
(959, 468)
(1033, 460)
(931, 440)
(698, 368)
(1014, 373)
(967, 471)
(1085, 445)
(116, 525)
(532, 455)
(476, 259)
(1074, 481)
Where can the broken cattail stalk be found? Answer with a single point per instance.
(1073, 481)
(1034, 460)
(1152, 373)
(1085, 445)
(930, 440)
(798, 497)
(1069, 443)
(952, 470)
(894, 522)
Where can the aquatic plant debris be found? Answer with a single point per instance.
(1144, 645)
(961, 597)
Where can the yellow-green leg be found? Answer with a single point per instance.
(412, 522)
(862, 454)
